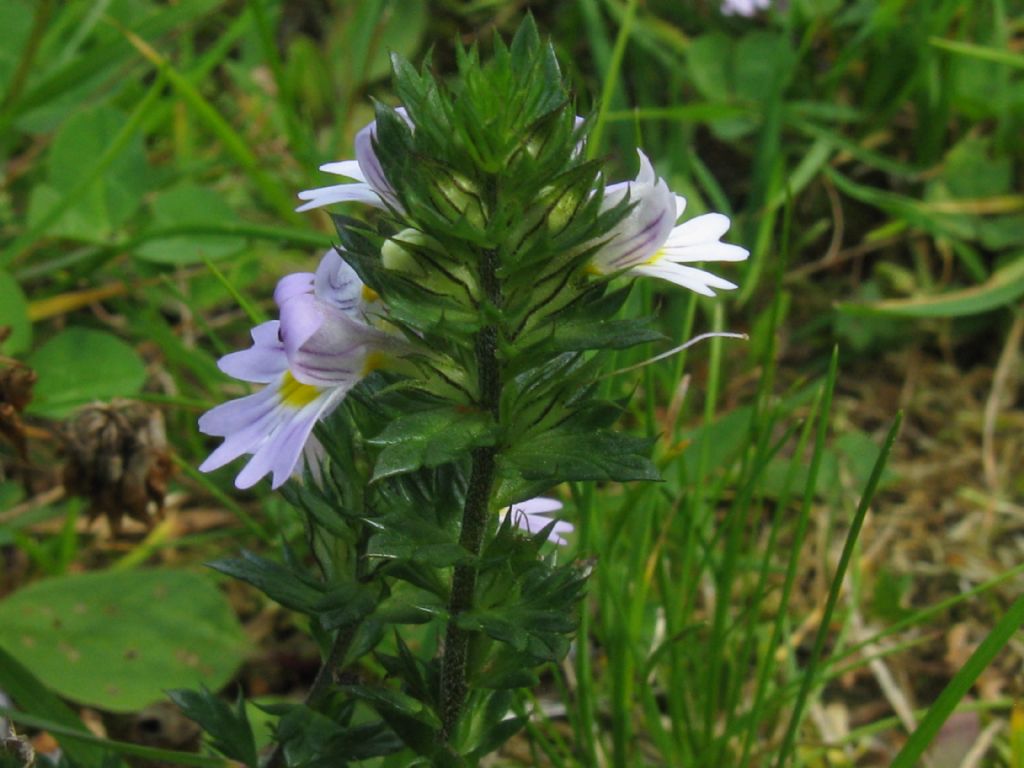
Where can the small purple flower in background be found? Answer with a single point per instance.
(746, 8)
(369, 184)
(648, 242)
(533, 515)
(322, 346)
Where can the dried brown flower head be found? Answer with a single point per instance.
(16, 382)
(117, 458)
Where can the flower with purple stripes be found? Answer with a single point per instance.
(534, 515)
(322, 346)
(369, 184)
(648, 241)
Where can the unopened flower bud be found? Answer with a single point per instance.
(397, 254)
(458, 197)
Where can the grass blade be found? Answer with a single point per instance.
(958, 687)
(810, 673)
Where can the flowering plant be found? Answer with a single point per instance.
(433, 377)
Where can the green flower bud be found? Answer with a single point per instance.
(458, 197)
(398, 253)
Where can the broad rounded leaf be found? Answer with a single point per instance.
(118, 639)
(188, 205)
(80, 365)
(92, 213)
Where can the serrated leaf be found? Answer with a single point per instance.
(383, 699)
(345, 604)
(228, 727)
(430, 439)
(310, 738)
(277, 581)
(563, 455)
(403, 538)
(605, 334)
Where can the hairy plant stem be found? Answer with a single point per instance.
(454, 663)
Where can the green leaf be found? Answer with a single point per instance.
(346, 604)
(228, 727)
(982, 52)
(763, 63)
(118, 639)
(30, 694)
(312, 739)
(579, 335)
(1005, 286)
(399, 29)
(80, 365)
(15, 24)
(190, 205)
(562, 455)
(105, 204)
(708, 59)
(403, 537)
(280, 583)
(14, 313)
(928, 728)
(430, 439)
(149, 754)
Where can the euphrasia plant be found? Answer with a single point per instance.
(432, 379)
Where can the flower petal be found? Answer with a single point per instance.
(301, 318)
(234, 415)
(369, 163)
(325, 347)
(355, 192)
(680, 206)
(338, 284)
(273, 425)
(697, 280)
(702, 229)
(704, 252)
(537, 506)
(349, 168)
(293, 285)
(647, 225)
(263, 362)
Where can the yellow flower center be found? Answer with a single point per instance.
(374, 362)
(369, 295)
(658, 255)
(296, 394)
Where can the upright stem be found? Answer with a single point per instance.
(324, 677)
(454, 663)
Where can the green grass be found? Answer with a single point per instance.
(868, 153)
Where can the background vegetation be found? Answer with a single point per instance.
(779, 599)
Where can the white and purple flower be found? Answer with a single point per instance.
(369, 184)
(746, 8)
(648, 241)
(534, 515)
(322, 346)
